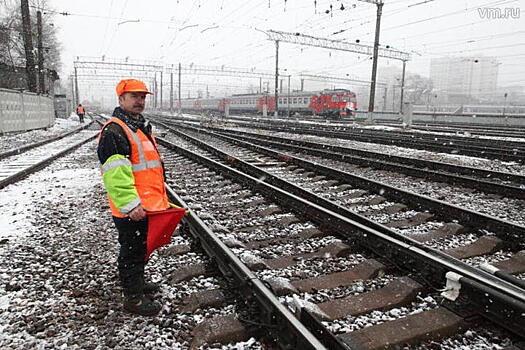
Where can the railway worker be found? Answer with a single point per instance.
(133, 175)
(80, 113)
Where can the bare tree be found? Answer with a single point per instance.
(417, 88)
(12, 55)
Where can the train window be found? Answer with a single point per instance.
(285, 100)
(335, 99)
(280, 101)
(345, 98)
(294, 100)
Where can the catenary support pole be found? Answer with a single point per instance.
(171, 92)
(374, 61)
(180, 104)
(77, 99)
(161, 88)
(402, 87)
(72, 98)
(276, 113)
(289, 96)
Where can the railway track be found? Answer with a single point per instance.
(483, 148)
(500, 183)
(305, 251)
(255, 259)
(18, 150)
(497, 131)
(511, 231)
(18, 163)
(446, 127)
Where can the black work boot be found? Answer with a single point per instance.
(151, 288)
(141, 305)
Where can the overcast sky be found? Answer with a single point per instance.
(231, 33)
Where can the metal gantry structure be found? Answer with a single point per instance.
(341, 45)
(89, 68)
(102, 69)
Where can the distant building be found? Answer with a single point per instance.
(464, 80)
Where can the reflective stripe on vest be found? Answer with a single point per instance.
(147, 170)
(143, 165)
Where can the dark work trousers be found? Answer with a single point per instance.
(81, 117)
(132, 239)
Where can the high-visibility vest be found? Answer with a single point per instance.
(80, 110)
(147, 170)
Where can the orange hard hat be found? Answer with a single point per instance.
(131, 85)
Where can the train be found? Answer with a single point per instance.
(335, 103)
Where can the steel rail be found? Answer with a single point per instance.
(400, 135)
(500, 299)
(511, 232)
(286, 327)
(41, 164)
(457, 169)
(22, 149)
(493, 153)
(334, 152)
(481, 131)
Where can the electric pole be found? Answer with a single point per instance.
(180, 104)
(402, 87)
(155, 93)
(28, 46)
(41, 75)
(276, 78)
(171, 90)
(77, 100)
(161, 88)
(379, 4)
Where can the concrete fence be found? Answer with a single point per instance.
(22, 111)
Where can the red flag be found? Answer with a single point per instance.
(161, 225)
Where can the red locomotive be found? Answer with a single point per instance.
(328, 103)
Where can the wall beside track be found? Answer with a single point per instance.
(22, 111)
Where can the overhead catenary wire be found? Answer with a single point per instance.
(198, 42)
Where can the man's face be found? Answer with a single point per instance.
(133, 102)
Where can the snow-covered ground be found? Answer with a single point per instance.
(58, 277)
(58, 285)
